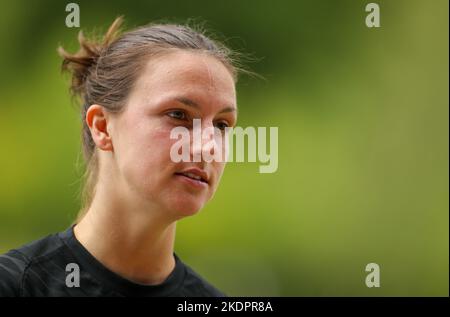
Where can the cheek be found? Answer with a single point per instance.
(153, 148)
(218, 168)
(144, 150)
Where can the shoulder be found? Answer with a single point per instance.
(15, 263)
(196, 285)
(12, 266)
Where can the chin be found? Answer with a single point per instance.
(182, 208)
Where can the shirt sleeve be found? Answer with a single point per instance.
(12, 266)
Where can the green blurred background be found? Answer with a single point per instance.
(363, 142)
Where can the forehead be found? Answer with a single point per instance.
(193, 74)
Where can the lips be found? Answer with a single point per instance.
(195, 174)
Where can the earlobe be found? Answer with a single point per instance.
(97, 121)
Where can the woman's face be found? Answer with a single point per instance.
(173, 90)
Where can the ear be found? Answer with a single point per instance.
(97, 121)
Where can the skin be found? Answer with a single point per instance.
(131, 223)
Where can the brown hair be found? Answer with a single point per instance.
(104, 72)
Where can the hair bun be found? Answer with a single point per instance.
(80, 63)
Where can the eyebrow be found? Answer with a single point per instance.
(191, 103)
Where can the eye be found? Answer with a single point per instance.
(177, 114)
(222, 125)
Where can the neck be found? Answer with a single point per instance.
(132, 240)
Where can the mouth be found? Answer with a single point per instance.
(194, 177)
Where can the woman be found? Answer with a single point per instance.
(135, 88)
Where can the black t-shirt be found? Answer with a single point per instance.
(59, 265)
